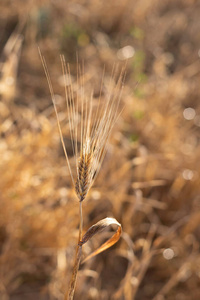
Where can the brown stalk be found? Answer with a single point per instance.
(70, 294)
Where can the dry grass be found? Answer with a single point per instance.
(149, 178)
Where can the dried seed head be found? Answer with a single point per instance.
(83, 180)
(88, 127)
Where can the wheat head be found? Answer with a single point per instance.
(89, 127)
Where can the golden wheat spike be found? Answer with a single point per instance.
(93, 127)
(83, 180)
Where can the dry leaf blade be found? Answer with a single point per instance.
(97, 228)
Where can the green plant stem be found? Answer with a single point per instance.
(70, 293)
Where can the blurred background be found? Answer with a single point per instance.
(149, 180)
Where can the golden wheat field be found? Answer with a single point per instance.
(147, 142)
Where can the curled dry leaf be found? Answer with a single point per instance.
(97, 228)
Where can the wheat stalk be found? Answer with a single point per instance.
(92, 131)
